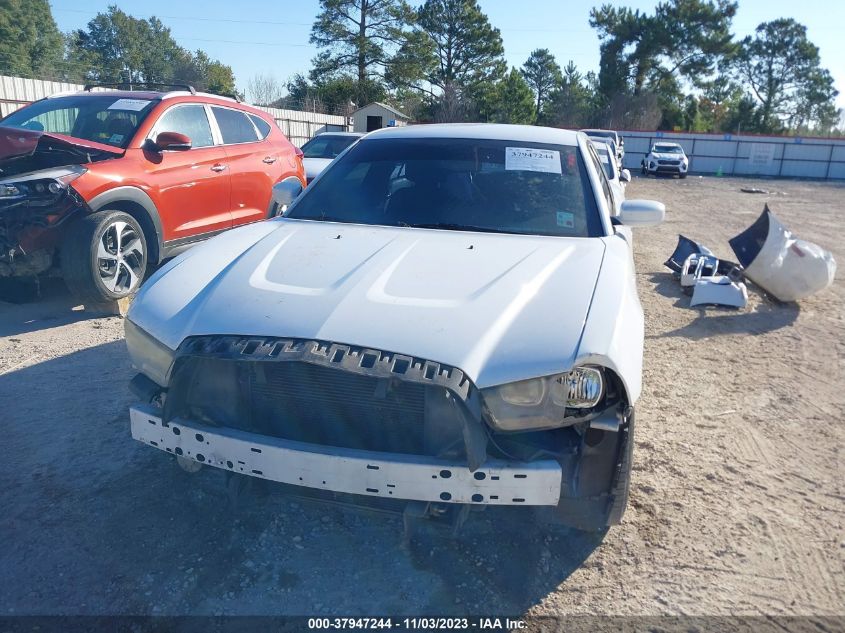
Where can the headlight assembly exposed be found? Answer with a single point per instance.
(149, 356)
(9, 191)
(37, 186)
(541, 403)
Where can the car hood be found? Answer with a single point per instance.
(670, 156)
(19, 143)
(499, 307)
(313, 166)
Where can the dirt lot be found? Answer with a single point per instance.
(737, 503)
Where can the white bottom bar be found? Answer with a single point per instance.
(390, 475)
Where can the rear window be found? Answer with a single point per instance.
(262, 125)
(234, 126)
(459, 184)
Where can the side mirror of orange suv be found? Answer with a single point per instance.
(172, 141)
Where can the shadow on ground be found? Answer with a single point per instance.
(766, 316)
(52, 307)
(95, 523)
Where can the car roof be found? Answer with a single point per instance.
(339, 133)
(488, 131)
(669, 143)
(144, 94)
(120, 94)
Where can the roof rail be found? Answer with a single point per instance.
(227, 95)
(138, 85)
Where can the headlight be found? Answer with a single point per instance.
(541, 403)
(41, 187)
(9, 192)
(149, 356)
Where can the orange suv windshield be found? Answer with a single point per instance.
(106, 119)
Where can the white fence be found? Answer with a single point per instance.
(297, 126)
(747, 155)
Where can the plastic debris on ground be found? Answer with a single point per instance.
(785, 267)
(713, 282)
(769, 255)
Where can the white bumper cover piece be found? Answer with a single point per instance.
(389, 475)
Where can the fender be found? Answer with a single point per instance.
(132, 199)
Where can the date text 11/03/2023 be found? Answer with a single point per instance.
(419, 623)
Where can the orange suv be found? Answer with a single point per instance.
(99, 185)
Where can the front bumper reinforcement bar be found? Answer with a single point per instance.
(389, 475)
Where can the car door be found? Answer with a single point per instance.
(193, 185)
(254, 165)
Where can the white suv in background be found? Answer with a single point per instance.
(666, 158)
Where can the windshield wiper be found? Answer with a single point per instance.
(448, 226)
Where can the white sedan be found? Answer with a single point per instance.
(666, 158)
(447, 317)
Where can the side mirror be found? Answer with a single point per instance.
(641, 213)
(625, 175)
(284, 193)
(173, 141)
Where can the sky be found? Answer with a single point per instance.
(271, 37)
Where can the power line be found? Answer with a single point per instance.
(196, 19)
(275, 23)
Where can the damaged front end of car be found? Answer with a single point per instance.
(370, 423)
(32, 206)
(37, 170)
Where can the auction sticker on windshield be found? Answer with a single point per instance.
(134, 105)
(532, 159)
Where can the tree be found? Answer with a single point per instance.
(685, 38)
(718, 100)
(30, 41)
(513, 100)
(456, 51)
(572, 104)
(542, 73)
(334, 95)
(116, 47)
(263, 89)
(359, 38)
(469, 49)
(783, 70)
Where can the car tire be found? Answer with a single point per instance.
(683, 176)
(104, 256)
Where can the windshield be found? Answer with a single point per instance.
(460, 184)
(327, 145)
(100, 118)
(668, 149)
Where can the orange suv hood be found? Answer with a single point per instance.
(18, 143)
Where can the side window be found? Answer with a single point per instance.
(608, 196)
(189, 120)
(261, 124)
(234, 126)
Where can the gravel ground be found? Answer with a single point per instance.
(736, 504)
